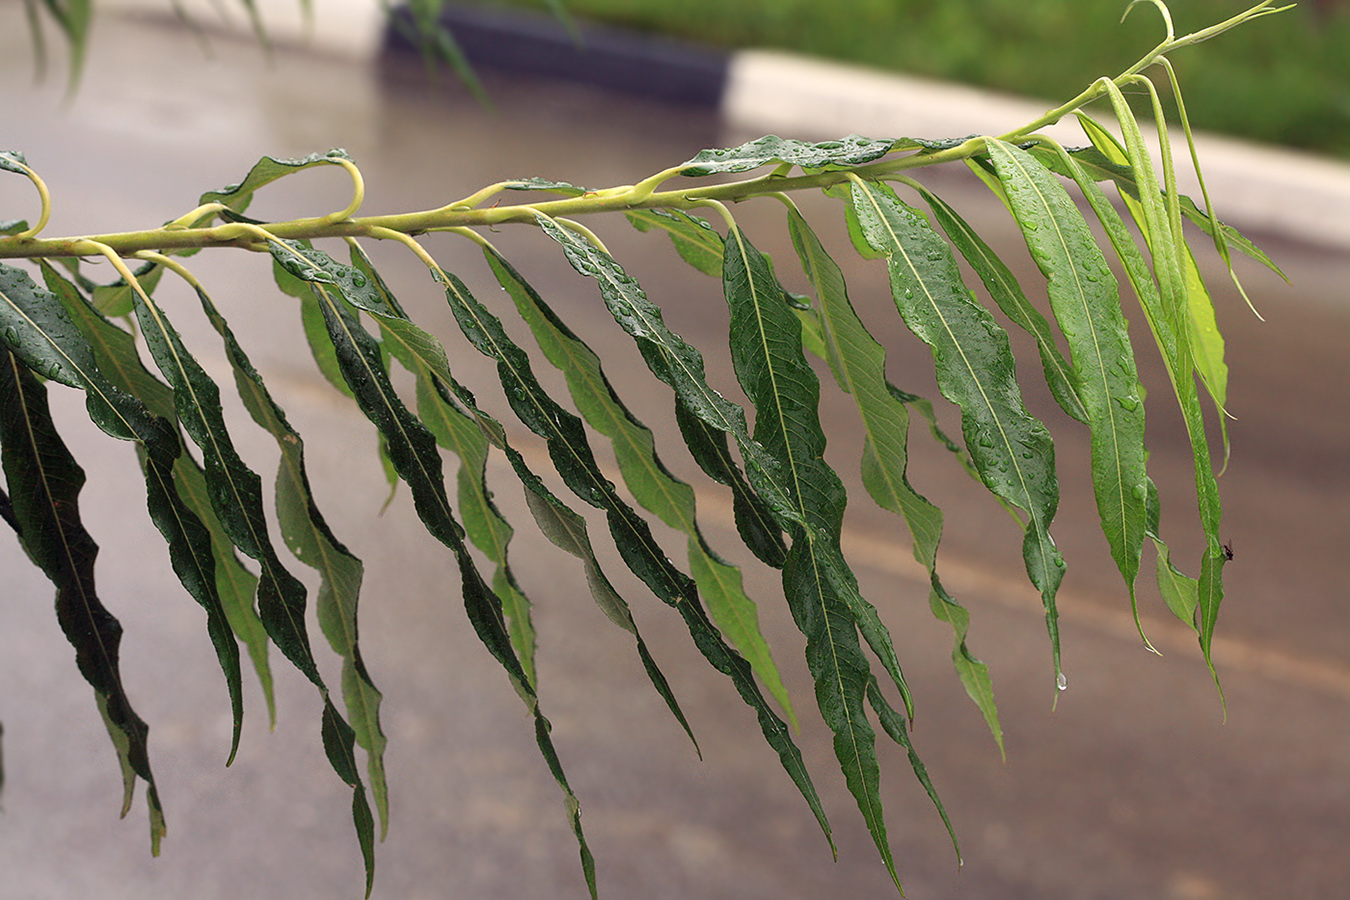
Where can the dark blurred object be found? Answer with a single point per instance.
(660, 68)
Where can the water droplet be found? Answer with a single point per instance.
(1061, 682)
(359, 280)
(1129, 402)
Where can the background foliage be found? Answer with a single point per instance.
(1285, 83)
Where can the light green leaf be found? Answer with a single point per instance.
(265, 171)
(1010, 448)
(854, 150)
(1167, 312)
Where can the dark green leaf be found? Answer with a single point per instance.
(1086, 302)
(1011, 449)
(236, 490)
(651, 483)
(45, 482)
(859, 366)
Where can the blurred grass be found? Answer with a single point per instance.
(1283, 79)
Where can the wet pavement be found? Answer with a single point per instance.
(1132, 787)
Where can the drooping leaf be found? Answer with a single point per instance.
(338, 741)
(575, 463)
(45, 482)
(859, 366)
(308, 536)
(1168, 315)
(754, 520)
(647, 478)
(1003, 288)
(1086, 302)
(412, 450)
(235, 489)
(671, 359)
(1010, 448)
(820, 589)
(1174, 586)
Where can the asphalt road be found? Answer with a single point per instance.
(1131, 787)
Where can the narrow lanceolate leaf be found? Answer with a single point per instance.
(44, 483)
(412, 450)
(1086, 302)
(567, 531)
(483, 522)
(189, 537)
(1004, 290)
(695, 240)
(671, 359)
(847, 152)
(338, 740)
(267, 170)
(1167, 314)
(308, 536)
(754, 520)
(820, 589)
(651, 483)
(859, 366)
(1010, 448)
(575, 463)
(1172, 583)
(236, 490)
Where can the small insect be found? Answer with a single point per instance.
(1228, 550)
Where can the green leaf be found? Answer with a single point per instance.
(1010, 448)
(201, 556)
(671, 359)
(412, 450)
(848, 152)
(1167, 312)
(755, 522)
(1086, 302)
(338, 740)
(1003, 288)
(265, 171)
(573, 459)
(308, 536)
(236, 490)
(647, 478)
(859, 366)
(1178, 590)
(820, 589)
(695, 240)
(45, 483)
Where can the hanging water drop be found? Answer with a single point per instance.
(1061, 682)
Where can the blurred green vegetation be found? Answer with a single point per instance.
(1284, 79)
